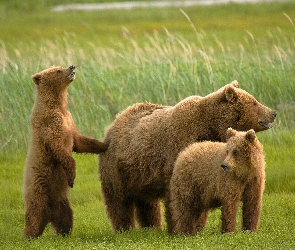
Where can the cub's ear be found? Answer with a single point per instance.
(37, 78)
(230, 94)
(235, 83)
(250, 135)
(230, 133)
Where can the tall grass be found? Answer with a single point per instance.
(164, 70)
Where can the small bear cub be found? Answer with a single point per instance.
(208, 175)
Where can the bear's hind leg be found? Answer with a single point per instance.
(148, 213)
(120, 211)
(185, 223)
(62, 217)
(201, 220)
(37, 216)
(168, 215)
(181, 215)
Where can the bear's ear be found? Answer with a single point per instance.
(37, 78)
(230, 133)
(250, 135)
(230, 94)
(235, 83)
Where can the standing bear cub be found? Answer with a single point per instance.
(212, 174)
(145, 140)
(50, 167)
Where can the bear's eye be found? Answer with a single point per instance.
(254, 103)
(58, 71)
(226, 152)
(235, 153)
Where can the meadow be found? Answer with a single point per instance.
(155, 55)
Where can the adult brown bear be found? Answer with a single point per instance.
(144, 142)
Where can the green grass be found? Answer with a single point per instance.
(164, 70)
(105, 27)
(156, 55)
(92, 229)
(279, 147)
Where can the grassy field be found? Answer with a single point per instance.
(92, 229)
(156, 55)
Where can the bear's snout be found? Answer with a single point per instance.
(266, 122)
(72, 73)
(274, 114)
(224, 167)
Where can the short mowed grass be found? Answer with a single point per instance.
(155, 55)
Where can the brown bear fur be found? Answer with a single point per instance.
(50, 167)
(212, 174)
(145, 139)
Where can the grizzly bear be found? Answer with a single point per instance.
(210, 174)
(50, 167)
(145, 139)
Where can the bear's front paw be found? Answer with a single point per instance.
(70, 171)
(71, 177)
(71, 182)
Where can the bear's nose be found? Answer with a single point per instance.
(224, 166)
(72, 67)
(274, 114)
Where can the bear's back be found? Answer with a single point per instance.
(201, 159)
(123, 127)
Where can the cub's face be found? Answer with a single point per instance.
(55, 77)
(241, 152)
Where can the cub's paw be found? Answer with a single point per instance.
(70, 171)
